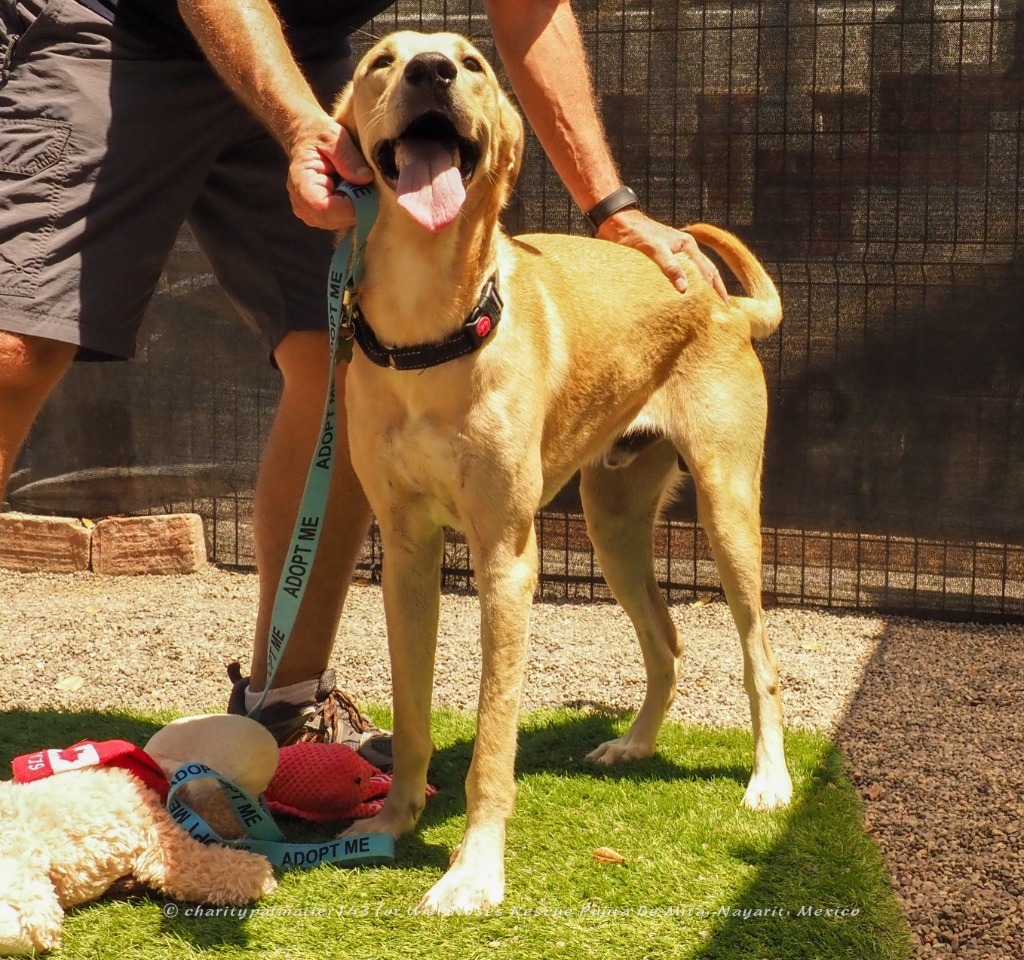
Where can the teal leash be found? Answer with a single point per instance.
(265, 838)
(345, 274)
(264, 835)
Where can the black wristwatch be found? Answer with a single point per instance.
(621, 199)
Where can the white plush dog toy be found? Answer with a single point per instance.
(68, 837)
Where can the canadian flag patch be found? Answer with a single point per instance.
(89, 753)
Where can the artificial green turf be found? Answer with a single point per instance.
(703, 878)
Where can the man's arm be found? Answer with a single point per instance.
(244, 42)
(539, 42)
(540, 45)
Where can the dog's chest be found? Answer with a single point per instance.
(422, 463)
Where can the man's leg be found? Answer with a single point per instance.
(303, 703)
(302, 360)
(275, 269)
(29, 369)
(104, 140)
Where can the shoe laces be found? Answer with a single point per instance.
(332, 711)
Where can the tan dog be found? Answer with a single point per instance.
(593, 343)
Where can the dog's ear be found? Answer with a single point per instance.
(512, 142)
(344, 112)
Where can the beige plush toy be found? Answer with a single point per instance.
(66, 838)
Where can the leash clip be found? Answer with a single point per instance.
(347, 303)
(346, 326)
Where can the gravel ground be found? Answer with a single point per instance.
(929, 714)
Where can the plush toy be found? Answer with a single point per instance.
(94, 813)
(326, 781)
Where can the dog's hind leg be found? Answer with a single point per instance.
(723, 449)
(621, 506)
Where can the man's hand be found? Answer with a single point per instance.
(320, 152)
(661, 243)
(244, 42)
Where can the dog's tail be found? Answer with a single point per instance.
(762, 305)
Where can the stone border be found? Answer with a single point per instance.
(164, 544)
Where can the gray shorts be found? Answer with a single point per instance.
(107, 147)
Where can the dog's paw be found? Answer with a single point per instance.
(382, 823)
(466, 889)
(769, 792)
(620, 750)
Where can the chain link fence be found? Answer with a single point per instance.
(869, 152)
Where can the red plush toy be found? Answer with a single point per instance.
(327, 781)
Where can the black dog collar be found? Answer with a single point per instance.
(482, 319)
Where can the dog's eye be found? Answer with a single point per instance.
(471, 63)
(381, 61)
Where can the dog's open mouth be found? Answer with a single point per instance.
(428, 166)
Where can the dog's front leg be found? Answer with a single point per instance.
(507, 577)
(411, 586)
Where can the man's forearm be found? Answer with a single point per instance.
(539, 42)
(244, 42)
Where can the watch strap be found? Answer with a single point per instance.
(621, 199)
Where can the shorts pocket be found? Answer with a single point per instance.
(30, 184)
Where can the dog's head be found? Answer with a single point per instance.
(435, 126)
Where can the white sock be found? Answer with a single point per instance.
(300, 693)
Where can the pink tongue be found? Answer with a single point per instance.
(430, 188)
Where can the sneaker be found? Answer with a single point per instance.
(331, 718)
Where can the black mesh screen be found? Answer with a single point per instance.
(869, 152)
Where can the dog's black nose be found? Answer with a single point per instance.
(430, 70)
